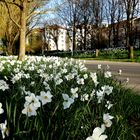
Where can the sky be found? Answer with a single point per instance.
(50, 15)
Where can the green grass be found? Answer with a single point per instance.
(117, 55)
(109, 55)
(130, 110)
(110, 59)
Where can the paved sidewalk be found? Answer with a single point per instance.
(129, 70)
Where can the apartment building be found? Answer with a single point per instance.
(117, 33)
(52, 37)
(57, 38)
(87, 37)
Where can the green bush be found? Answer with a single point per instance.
(59, 99)
(84, 54)
(76, 54)
(114, 54)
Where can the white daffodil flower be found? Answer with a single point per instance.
(99, 66)
(4, 129)
(58, 81)
(1, 67)
(45, 97)
(40, 71)
(82, 67)
(28, 93)
(50, 66)
(17, 77)
(1, 110)
(120, 72)
(80, 81)
(32, 83)
(16, 70)
(69, 76)
(31, 68)
(92, 93)
(29, 110)
(32, 99)
(100, 95)
(27, 76)
(5, 77)
(64, 70)
(85, 76)
(107, 89)
(31, 105)
(67, 101)
(107, 66)
(107, 74)
(74, 92)
(3, 85)
(98, 134)
(108, 105)
(127, 80)
(84, 97)
(107, 120)
(94, 78)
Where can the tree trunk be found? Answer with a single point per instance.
(9, 38)
(98, 43)
(97, 52)
(9, 49)
(56, 46)
(73, 40)
(85, 37)
(131, 52)
(21, 55)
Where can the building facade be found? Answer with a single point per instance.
(87, 37)
(57, 38)
(50, 38)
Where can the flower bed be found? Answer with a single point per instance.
(56, 99)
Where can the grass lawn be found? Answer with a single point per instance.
(110, 55)
(131, 109)
(111, 59)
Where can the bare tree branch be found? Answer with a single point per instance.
(14, 3)
(40, 12)
(10, 14)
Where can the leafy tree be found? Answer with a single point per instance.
(131, 10)
(70, 15)
(53, 32)
(114, 15)
(9, 33)
(27, 10)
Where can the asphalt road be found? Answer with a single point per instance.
(129, 70)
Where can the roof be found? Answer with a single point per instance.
(55, 27)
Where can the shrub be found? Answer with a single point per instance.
(114, 53)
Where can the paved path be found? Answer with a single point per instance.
(129, 70)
